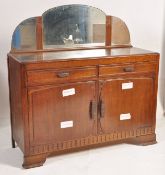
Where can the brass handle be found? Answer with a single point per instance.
(93, 109)
(62, 74)
(128, 69)
(102, 109)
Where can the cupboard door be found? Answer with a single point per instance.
(126, 104)
(61, 113)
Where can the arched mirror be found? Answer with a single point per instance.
(119, 32)
(73, 25)
(24, 36)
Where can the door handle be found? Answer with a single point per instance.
(102, 109)
(93, 109)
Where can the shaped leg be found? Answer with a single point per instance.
(34, 161)
(144, 140)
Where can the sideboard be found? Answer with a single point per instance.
(74, 93)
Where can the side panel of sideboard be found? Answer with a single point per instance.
(15, 93)
(18, 105)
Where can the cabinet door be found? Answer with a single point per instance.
(126, 104)
(61, 113)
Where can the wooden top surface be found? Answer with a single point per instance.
(78, 54)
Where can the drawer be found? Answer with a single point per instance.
(127, 68)
(52, 76)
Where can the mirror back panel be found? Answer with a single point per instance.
(70, 26)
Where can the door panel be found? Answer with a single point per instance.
(128, 104)
(61, 113)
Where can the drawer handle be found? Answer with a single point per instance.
(128, 69)
(63, 74)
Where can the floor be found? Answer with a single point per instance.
(122, 159)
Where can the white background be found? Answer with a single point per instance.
(144, 18)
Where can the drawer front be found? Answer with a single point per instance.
(127, 68)
(52, 76)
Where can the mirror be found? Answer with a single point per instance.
(73, 26)
(24, 36)
(70, 26)
(120, 33)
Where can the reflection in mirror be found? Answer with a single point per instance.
(73, 25)
(24, 36)
(120, 33)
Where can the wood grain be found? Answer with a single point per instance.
(39, 33)
(108, 30)
(52, 76)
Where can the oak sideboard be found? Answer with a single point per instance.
(76, 83)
